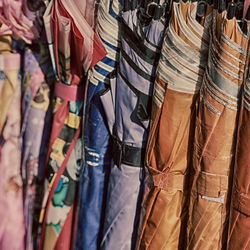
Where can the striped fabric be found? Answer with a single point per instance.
(130, 100)
(97, 136)
(169, 150)
(215, 135)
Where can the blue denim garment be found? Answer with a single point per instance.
(97, 138)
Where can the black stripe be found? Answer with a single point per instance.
(136, 91)
(152, 61)
(136, 68)
(135, 41)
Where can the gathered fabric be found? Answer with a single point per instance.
(169, 151)
(124, 125)
(215, 135)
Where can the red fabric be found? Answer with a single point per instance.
(69, 93)
(58, 122)
(76, 71)
(55, 183)
(77, 44)
(64, 241)
(99, 51)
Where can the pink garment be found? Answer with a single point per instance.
(246, 6)
(90, 12)
(12, 229)
(12, 15)
(87, 9)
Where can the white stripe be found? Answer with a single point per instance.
(209, 105)
(159, 91)
(177, 82)
(105, 66)
(157, 102)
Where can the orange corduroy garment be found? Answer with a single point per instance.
(169, 151)
(215, 135)
(239, 226)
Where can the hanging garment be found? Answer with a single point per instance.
(169, 151)
(15, 21)
(12, 228)
(239, 229)
(35, 133)
(76, 49)
(239, 222)
(215, 135)
(89, 11)
(7, 90)
(129, 97)
(97, 140)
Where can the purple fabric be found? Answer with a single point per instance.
(134, 131)
(125, 182)
(34, 107)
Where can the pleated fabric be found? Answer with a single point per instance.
(12, 227)
(215, 135)
(239, 222)
(97, 140)
(169, 150)
(128, 112)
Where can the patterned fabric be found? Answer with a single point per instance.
(12, 227)
(97, 140)
(7, 90)
(169, 151)
(35, 132)
(75, 45)
(129, 101)
(215, 135)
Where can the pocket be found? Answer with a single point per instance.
(208, 212)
